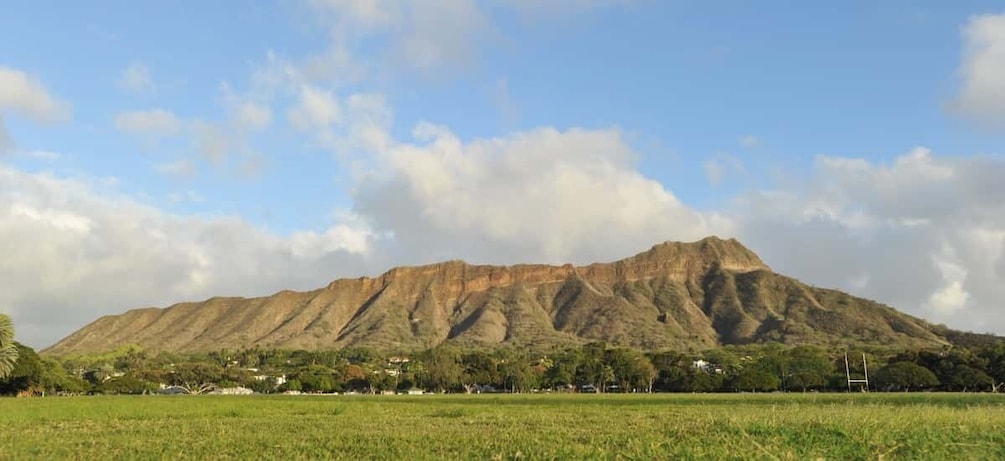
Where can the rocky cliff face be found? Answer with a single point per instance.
(699, 294)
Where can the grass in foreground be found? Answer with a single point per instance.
(738, 426)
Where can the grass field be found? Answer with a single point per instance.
(737, 426)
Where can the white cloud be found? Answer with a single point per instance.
(982, 94)
(225, 144)
(6, 142)
(247, 112)
(136, 79)
(369, 120)
(541, 196)
(317, 108)
(369, 109)
(211, 141)
(152, 122)
(179, 168)
(351, 235)
(925, 233)
(254, 116)
(24, 95)
(187, 196)
(750, 142)
(431, 38)
(443, 35)
(720, 165)
(360, 15)
(43, 155)
(75, 249)
(950, 296)
(359, 123)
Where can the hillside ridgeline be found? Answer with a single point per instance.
(702, 294)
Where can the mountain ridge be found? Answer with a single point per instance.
(699, 294)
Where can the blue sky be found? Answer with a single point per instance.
(266, 145)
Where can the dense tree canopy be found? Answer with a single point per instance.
(594, 367)
(905, 376)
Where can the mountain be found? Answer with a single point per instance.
(701, 294)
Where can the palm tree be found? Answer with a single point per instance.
(8, 350)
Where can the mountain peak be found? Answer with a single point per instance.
(710, 251)
(675, 295)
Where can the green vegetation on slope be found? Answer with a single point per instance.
(696, 295)
(748, 426)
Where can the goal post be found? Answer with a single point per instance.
(863, 381)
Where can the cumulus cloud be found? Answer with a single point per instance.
(246, 112)
(137, 79)
(356, 123)
(316, 108)
(924, 233)
(158, 122)
(23, 95)
(982, 92)
(76, 249)
(543, 195)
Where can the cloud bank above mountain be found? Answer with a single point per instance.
(923, 231)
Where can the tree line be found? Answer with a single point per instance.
(594, 367)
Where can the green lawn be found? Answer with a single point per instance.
(729, 426)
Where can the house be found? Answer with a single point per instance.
(413, 391)
(239, 390)
(707, 367)
(278, 380)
